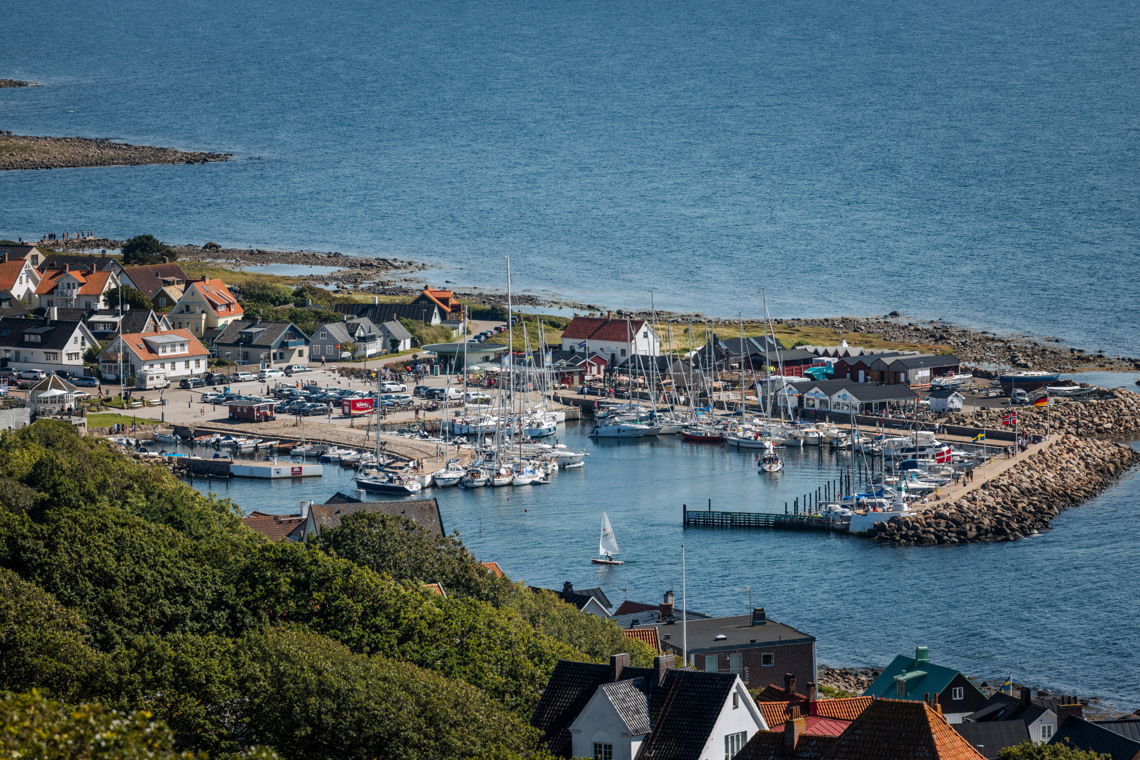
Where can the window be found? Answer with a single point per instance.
(603, 751)
(736, 664)
(1046, 732)
(767, 659)
(958, 693)
(711, 664)
(733, 743)
(735, 701)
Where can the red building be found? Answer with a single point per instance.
(253, 411)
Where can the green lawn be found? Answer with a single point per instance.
(107, 419)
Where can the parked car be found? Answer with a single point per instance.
(31, 374)
(243, 377)
(269, 372)
(310, 410)
(215, 378)
(421, 390)
(7, 371)
(390, 387)
(293, 369)
(191, 382)
(85, 382)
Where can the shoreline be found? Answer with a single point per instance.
(383, 276)
(27, 152)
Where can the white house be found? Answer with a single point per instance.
(48, 344)
(615, 339)
(177, 353)
(646, 712)
(18, 282)
(69, 288)
(946, 400)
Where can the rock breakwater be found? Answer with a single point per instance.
(1021, 501)
(24, 152)
(1116, 414)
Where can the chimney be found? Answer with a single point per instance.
(567, 587)
(618, 663)
(1026, 695)
(789, 684)
(305, 508)
(666, 608)
(1072, 710)
(812, 695)
(52, 313)
(793, 730)
(663, 664)
(758, 616)
(921, 655)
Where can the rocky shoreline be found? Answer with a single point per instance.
(1020, 502)
(1117, 414)
(22, 152)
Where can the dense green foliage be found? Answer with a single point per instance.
(131, 298)
(424, 334)
(1031, 751)
(146, 249)
(277, 303)
(121, 585)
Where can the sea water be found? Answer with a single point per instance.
(976, 161)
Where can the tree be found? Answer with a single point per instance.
(146, 249)
(131, 298)
(1031, 751)
(265, 293)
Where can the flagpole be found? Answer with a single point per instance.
(684, 613)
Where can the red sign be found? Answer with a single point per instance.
(352, 407)
(1009, 418)
(295, 470)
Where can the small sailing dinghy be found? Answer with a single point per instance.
(607, 545)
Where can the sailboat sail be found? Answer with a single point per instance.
(607, 544)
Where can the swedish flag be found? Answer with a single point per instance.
(980, 437)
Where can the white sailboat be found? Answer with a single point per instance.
(607, 545)
(770, 461)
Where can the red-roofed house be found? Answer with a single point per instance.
(205, 305)
(277, 527)
(647, 636)
(18, 282)
(177, 353)
(617, 339)
(494, 569)
(71, 289)
(448, 304)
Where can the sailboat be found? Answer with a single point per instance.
(607, 545)
(770, 461)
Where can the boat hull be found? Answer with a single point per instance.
(597, 561)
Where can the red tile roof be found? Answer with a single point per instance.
(826, 716)
(601, 328)
(494, 569)
(628, 607)
(137, 346)
(274, 527)
(435, 588)
(9, 272)
(646, 636)
(49, 280)
(844, 708)
(899, 728)
(218, 296)
(444, 299)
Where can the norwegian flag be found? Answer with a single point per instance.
(1009, 418)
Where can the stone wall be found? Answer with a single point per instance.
(1021, 501)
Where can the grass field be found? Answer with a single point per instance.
(107, 419)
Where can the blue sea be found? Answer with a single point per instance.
(975, 161)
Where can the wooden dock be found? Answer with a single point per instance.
(709, 518)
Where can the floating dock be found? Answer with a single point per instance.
(275, 470)
(708, 518)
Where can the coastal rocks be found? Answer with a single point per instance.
(1020, 502)
(15, 83)
(1116, 414)
(850, 680)
(23, 152)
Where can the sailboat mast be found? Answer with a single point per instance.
(684, 613)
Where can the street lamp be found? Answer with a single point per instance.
(162, 405)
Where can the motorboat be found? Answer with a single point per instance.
(388, 483)
(618, 427)
(449, 476)
(474, 477)
(702, 434)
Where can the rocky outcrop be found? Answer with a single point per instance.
(850, 680)
(15, 83)
(1117, 414)
(23, 152)
(1019, 502)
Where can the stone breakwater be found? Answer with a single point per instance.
(23, 152)
(1115, 415)
(1019, 502)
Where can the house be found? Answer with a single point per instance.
(105, 324)
(1040, 721)
(868, 398)
(1127, 727)
(494, 569)
(277, 527)
(73, 289)
(616, 339)
(751, 646)
(206, 304)
(886, 728)
(247, 341)
(52, 396)
(450, 308)
(1084, 734)
(916, 678)
(822, 717)
(592, 601)
(945, 400)
(158, 282)
(396, 337)
(28, 253)
(620, 712)
(44, 343)
(914, 370)
(353, 337)
(648, 636)
(19, 279)
(82, 262)
(428, 313)
(632, 614)
(789, 362)
(576, 367)
(423, 512)
(176, 353)
(991, 737)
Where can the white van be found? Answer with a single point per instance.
(148, 380)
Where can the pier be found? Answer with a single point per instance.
(710, 518)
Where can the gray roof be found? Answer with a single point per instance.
(631, 701)
(395, 330)
(739, 632)
(53, 335)
(423, 512)
(252, 332)
(993, 736)
(873, 392)
(338, 331)
(1084, 734)
(387, 312)
(922, 361)
(1127, 727)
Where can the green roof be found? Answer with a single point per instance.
(918, 678)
